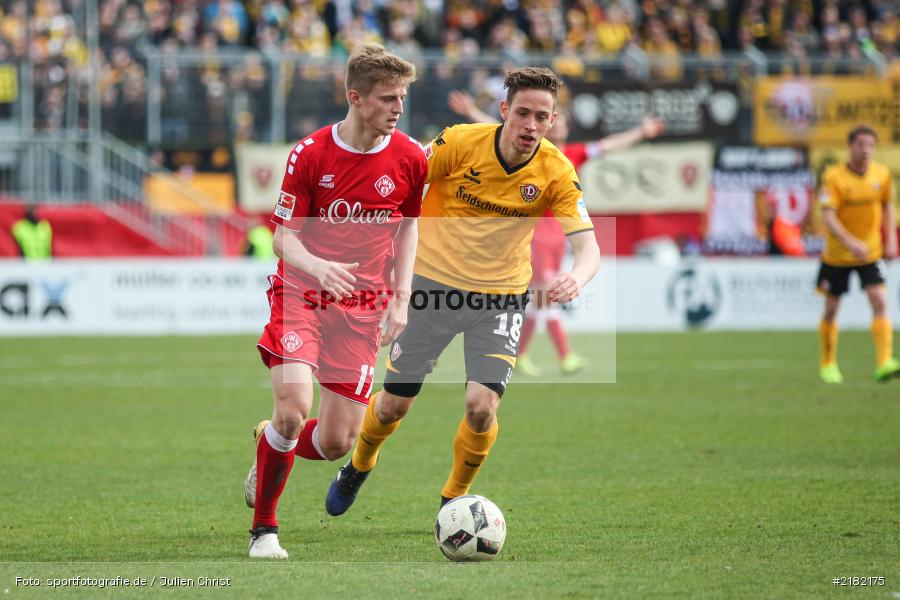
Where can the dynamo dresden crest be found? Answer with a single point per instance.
(529, 192)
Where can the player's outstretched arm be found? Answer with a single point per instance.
(649, 128)
(854, 244)
(567, 286)
(335, 278)
(464, 105)
(890, 233)
(394, 320)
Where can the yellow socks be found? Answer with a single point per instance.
(371, 436)
(469, 451)
(828, 335)
(882, 335)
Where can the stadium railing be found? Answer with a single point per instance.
(75, 167)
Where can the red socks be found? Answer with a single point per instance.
(555, 329)
(307, 443)
(272, 470)
(526, 334)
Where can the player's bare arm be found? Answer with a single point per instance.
(567, 286)
(890, 234)
(464, 105)
(855, 245)
(649, 128)
(394, 320)
(334, 277)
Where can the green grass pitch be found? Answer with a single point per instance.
(716, 467)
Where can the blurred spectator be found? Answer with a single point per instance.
(614, 31)
(258, 243)
(359, 30)
(804, 34)
(34, 237)
(663, 52)
(400, 39)
(228, 20)
(307, 33)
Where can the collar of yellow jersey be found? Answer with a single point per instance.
(510, 170)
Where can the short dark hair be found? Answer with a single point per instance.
(531, 78)
(861, 130)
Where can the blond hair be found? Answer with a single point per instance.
(371, 64)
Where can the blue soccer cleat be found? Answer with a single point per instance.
(342, 491)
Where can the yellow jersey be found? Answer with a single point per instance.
(858, 201)
(479, 213)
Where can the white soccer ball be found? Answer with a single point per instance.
(470, 528)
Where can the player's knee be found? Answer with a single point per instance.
(396, 399)
(831, 310)
(288, 423)
(335, 446)
(392, 408)
(481, 407)
(879, 306)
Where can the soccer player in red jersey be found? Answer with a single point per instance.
(345, 229)
(548, 246)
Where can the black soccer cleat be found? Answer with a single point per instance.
(343, 489)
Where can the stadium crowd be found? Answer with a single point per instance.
(573, 32)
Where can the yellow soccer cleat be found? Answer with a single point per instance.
(572, 363)
(887, 370)
(250, 480)
(526, 367)
(831, 374)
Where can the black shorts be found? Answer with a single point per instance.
(490, 323)
(834, 281)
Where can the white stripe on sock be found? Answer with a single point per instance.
(277, 442)
(315, 442)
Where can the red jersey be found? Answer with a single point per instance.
(578, 153)
(346, 205)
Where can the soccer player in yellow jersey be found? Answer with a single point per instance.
(489, 184)
(858, 202)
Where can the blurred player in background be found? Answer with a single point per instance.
(346, 220)
(858, 203)
(548, 246)
(485, 182)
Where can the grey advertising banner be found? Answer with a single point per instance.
(691, 110)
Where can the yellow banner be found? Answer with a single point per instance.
(820, 110)
(203, 193)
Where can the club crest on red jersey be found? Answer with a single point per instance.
(291, 341)
(385, 186)
(529, 191)
(285, 206)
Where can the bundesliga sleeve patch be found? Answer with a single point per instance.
(285, 207)
(582, 211)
